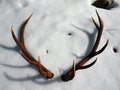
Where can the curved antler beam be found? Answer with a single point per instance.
(26, 55)
(71, 73)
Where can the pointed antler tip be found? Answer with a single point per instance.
(74, 67)
(92, 18)
(96, 10)
(39, 59)
(95, 59)
(107, 41)
(30, 15)
(11, 27)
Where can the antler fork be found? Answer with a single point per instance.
(26, 55)
(71, 73)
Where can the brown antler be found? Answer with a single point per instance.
(27, 56)
(71, 73)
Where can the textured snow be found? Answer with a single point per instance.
(48, 29)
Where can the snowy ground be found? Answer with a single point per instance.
(48, 29)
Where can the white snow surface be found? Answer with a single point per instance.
(48, 29)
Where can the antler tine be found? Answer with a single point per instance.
(14, 37)
(26, 55)
(22, 30)
(102, 49)
(22, 38)
(86, 66)
(70, 74)
(100, 29)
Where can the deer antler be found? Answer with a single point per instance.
(71, 73)
(27, 56)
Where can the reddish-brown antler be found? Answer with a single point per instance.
(71, 73)
(27, 56)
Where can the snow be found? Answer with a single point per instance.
(48, 29)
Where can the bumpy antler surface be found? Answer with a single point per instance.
(27, 56)
(71, 73)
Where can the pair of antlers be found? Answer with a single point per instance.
(71, 73)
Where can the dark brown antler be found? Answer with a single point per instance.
(71, 73)
(27, 56)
